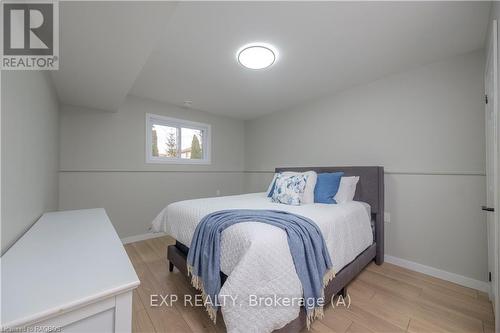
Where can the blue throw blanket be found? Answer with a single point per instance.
(307, 247)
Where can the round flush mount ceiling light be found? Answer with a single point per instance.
(257, 55)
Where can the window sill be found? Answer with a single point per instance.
(178, 161)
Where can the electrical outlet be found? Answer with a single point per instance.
(217, 193)
(387, 217)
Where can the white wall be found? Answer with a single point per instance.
(30, 148)
(103, 163)
(426, 127)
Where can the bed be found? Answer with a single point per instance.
(255, 257)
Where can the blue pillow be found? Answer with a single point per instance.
(327, 186)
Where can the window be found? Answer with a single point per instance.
(170, 140)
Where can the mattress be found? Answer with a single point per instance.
(346, 227)
(255, 256)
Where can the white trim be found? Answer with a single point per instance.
(67, 318)
(123, 313)
(46, 314)
(491, 67)
(137, 238)
(438, 273)
(152, 119)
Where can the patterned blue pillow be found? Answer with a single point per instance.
(288, 189)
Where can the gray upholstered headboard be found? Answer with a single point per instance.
(370, 189)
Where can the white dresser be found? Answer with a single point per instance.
(69, 272)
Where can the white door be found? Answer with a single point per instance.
(491, 119)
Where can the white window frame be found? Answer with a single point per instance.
(154, 119)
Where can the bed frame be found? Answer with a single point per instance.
(370, 189)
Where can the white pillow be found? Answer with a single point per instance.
(312, 177)
(347, 189)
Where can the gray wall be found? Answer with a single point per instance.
(426, 127)
(103, 163)
(30, 148)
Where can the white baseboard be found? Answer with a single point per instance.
(138, 238)
(438, 273)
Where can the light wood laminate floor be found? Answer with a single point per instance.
(384, 298)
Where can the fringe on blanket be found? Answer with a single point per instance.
(317, 312)
(197, 283)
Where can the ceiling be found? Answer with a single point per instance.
(103, 46)
(186, 51)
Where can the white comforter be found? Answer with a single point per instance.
(256, 258)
